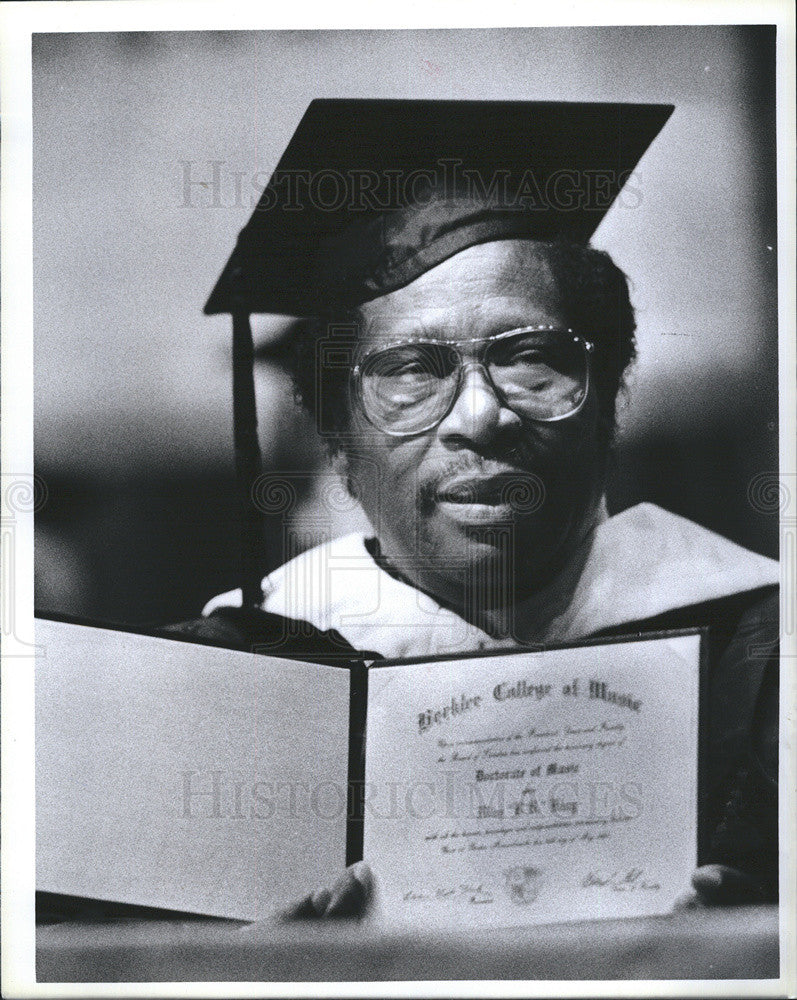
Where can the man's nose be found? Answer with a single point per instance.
(477, 415)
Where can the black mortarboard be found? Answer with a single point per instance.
(370, 194)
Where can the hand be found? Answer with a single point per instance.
(348, 897)
(720, 885)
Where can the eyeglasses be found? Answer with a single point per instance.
(539, 372)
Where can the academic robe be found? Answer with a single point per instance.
(644, 570)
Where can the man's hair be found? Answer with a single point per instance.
(596, 302)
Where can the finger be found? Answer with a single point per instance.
(348, 900)
(351, 893)
(302, 909)
(309, 907)
(362, 872)
(320, 900)
(719, 885)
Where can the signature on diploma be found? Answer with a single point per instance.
(471, 893)
(631, 880)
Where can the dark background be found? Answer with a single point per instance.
(149, 153)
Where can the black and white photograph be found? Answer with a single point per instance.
(399, 505)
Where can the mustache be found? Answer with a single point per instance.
(519, 485)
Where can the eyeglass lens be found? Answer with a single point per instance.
(410, 387)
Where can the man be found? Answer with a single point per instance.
(471, 351)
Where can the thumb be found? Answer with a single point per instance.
(719, 885)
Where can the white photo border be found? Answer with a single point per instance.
(18, 21)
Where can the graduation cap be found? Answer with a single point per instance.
(370, 194)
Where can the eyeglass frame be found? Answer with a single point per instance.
(357, 374)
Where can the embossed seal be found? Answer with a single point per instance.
(523, 884)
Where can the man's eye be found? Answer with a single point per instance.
(527, 357)
(426, 365)
(411, 371)
(410, 368)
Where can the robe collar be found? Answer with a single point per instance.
(638, 564)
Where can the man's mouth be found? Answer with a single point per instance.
(480, 499)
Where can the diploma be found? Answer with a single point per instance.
(185, 777)
(534, 787)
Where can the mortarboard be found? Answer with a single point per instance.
(370, 194)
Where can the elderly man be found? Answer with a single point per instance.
(462, 358)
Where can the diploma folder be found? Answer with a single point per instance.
(513, 786)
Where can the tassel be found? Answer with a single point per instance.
(247, 446)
